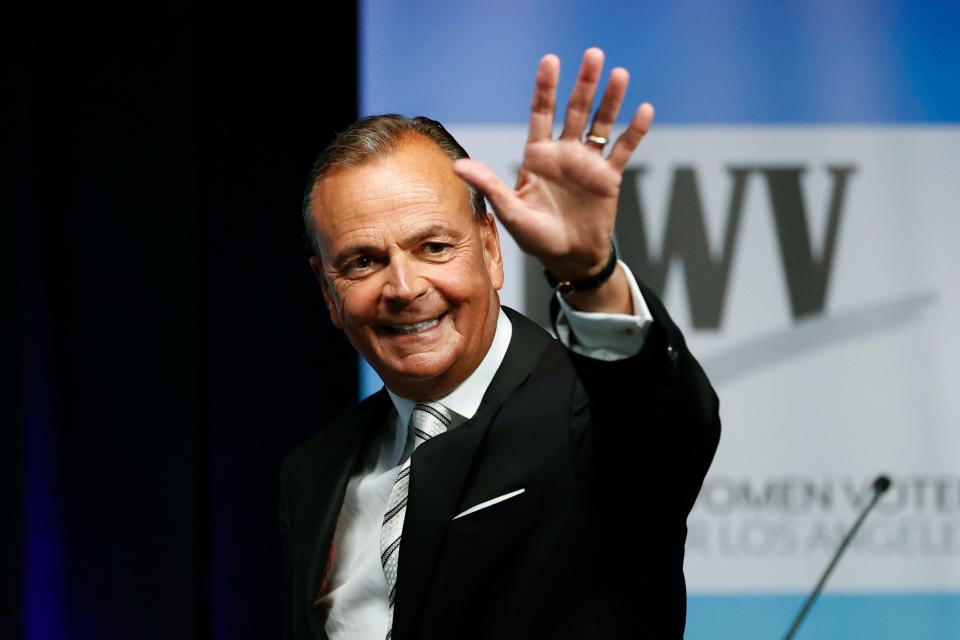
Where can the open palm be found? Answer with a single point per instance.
(564, 205)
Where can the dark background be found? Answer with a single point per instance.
(169, 341)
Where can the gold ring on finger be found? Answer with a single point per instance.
(600, 141)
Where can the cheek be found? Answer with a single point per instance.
(458, 287)
(358, 305)
(468, 284)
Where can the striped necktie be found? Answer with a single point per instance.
(427, 420)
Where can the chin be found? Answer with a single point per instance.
(419, 375)
(425, 372)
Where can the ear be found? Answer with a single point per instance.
(491, 251)
(329, 295)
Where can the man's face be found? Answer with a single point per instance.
(406, 271)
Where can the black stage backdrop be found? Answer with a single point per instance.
(171, 342)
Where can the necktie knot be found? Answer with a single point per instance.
(429, 419)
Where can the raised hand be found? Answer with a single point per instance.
(564, 205)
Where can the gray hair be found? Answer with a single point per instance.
(376, 136)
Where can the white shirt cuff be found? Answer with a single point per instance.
(605, 336)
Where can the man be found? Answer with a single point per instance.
(503, 484)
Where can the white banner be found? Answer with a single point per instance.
(813, 271)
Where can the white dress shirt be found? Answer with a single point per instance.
(357, 599)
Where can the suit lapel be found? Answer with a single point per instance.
(343, 446)
(440, 467)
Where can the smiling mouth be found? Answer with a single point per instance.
(416, 327)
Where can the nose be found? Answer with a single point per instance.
(404, 283)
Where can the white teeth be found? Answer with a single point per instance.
(413, 328)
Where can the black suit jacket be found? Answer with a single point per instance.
(611, 456)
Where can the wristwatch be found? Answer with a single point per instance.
(594, 281)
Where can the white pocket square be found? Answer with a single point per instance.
(490, 503)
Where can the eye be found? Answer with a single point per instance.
(360, 262)
(435, 248)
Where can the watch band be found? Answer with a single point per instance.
(594, 281)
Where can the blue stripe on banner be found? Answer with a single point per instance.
(745, 61)
(879, 617)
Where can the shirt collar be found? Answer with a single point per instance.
(465, 399)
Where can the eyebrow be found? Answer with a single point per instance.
(430, 231)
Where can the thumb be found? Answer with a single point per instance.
(483, 178)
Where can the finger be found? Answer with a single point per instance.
(544, 99)
(483, 178)
(581, 99)
(629, 139)
(609, 106)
